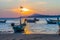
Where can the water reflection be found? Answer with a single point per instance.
(41, 27)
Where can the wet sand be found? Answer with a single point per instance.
(19, 36)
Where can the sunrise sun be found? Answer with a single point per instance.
(25, 9)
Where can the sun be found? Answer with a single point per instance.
(25, 9)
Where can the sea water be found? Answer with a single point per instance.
(6, 27)
(40, 27)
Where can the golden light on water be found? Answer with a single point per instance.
(26, 30)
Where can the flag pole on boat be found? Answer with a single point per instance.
(21, 13)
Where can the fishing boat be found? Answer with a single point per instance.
(52, 21)
(31, 20)
(18, 28)
(2, 21)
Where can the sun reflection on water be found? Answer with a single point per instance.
(26, 30)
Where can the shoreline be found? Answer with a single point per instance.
(18, 36)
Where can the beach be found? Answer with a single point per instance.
(18, 36)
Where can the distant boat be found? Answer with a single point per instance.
(50, 21)
(31, 21)
(2, 21)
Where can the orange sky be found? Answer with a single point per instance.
(23, 13)
(10, 8)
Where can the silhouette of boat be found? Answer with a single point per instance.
(31, 21)
(50, 21)
(18, 28)
(2, 21)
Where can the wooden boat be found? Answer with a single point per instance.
(52, 21)
(31, 21)
(2, 21)
(18, 28)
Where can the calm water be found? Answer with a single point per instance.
(40, 27)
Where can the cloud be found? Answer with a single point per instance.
(23, 0)
(6, 0)
(41, 3)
